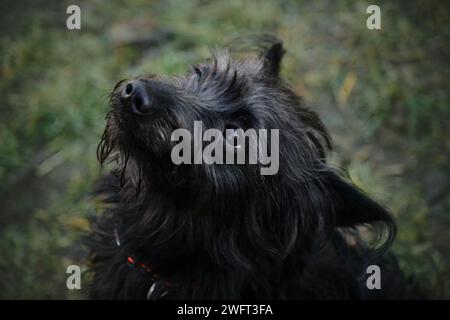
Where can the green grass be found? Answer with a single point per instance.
(392, 83)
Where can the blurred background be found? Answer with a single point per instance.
(383, 94)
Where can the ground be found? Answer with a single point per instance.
(383, 94)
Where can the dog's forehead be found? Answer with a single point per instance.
(251, 65)
(221, 70)
(248, 66)
(222, 63)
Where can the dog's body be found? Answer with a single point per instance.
(226, 231)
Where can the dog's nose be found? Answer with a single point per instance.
(136, 98)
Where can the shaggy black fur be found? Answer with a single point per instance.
(226, 231)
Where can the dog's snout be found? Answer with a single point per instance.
(135, 97)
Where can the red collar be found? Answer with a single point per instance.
(133, 262)
(142, 266)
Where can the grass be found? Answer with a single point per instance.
(383, 94)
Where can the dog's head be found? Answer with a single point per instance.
(237, 98)
(226, 94)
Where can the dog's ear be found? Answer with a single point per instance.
(351, 206)
(273, 56)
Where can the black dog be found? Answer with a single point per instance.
(226, 231)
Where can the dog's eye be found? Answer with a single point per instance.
(232, 136)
